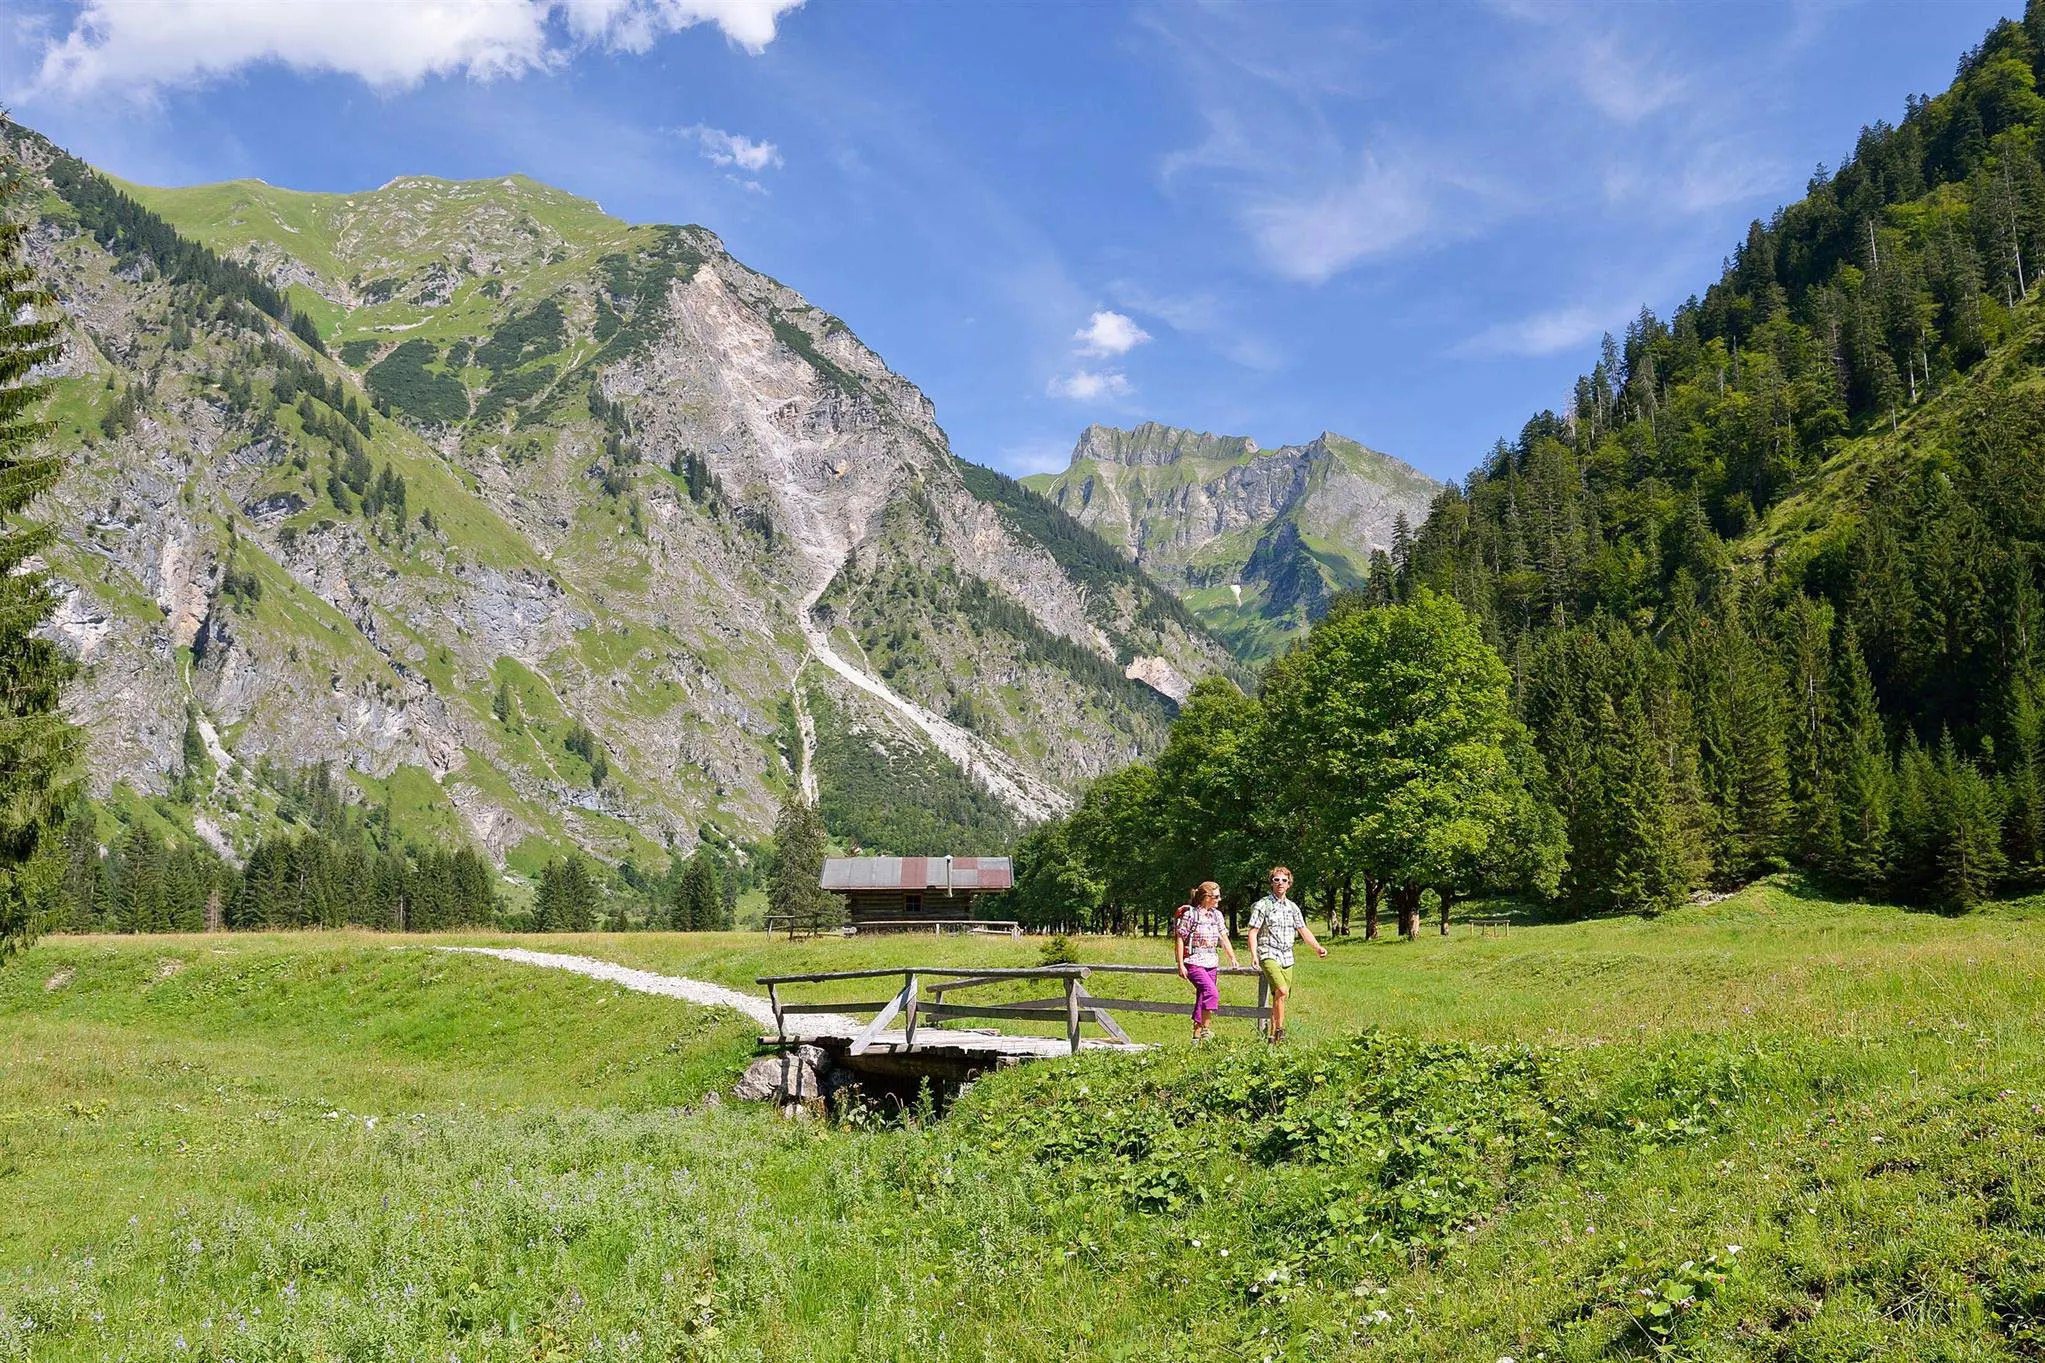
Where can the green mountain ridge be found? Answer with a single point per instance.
(1255, 542)
(471, 481)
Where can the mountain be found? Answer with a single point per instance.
(547, 530)
(1255, 541)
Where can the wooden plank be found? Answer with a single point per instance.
(881, 1019)
(865, 1006)
(774, 1002)
(1052, 1013)
(1227, 1010)
(909, 1011)
(967, 983)
(1041, 972)
(1108, 1024)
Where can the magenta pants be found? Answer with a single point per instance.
(1206, 993)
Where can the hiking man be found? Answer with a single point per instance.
(1274, 922)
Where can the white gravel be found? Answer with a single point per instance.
(639, 981)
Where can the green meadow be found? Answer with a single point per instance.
(1777, 1126)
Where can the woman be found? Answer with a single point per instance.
(1198, 930)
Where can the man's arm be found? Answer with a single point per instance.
(1308, 934)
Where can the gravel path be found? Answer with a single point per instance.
(644, 981)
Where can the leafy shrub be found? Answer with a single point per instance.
(403, 380)
(1060, 950)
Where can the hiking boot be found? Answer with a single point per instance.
(1277, 1036)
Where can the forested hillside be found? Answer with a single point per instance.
(1791, 538)
(1768, 590)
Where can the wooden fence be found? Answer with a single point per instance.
(1075, 1005)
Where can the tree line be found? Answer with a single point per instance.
(1381, 760)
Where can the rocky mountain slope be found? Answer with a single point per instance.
(521, 516)
(1254, 540)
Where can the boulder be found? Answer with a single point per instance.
(790, 1077)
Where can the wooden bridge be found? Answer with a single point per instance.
(917, 1048)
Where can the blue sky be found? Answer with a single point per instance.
(1407, 223)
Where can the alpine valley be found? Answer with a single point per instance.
(546, 531)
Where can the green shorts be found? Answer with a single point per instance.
(1279, 975)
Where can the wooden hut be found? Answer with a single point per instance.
(913, 891)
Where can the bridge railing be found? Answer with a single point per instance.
(1073, 1006)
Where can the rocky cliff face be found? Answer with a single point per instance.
(535, 531)
(1254, 540)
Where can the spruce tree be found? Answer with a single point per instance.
(1970, 856)
(1863, 778)
(798, 867)
(39, 749)
(699, 898)
(84, 888)
(140, 892)
(2024, 783)
(1647, 873)
(1917, 820)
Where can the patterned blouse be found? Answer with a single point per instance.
(1203, 931)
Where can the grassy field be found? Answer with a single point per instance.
(1545, 1146)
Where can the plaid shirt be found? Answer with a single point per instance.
(1203, 931)
(1276, 921)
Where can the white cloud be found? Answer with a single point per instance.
(1315, 236)
(1542, 333)
(1206, 316)
(144, 44)
(721, 148)
(1109, 333)
(1087, 385)
(1611, 73)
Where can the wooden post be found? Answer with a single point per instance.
(774, 1002)
(909, 1011)
(1072, 1012)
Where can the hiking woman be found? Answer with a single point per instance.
(1199, 934)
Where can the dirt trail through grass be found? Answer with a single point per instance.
(645, 981)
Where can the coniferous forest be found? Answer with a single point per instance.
(1767, 589)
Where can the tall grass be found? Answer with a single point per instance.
(1544, 1146)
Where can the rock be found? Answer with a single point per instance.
(791, 1077)
(1160, 676)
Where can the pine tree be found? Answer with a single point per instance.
(84, 887)
(1970, 856)
(798, 867)
(139, 893)
(38, 747)
(1648, 871)
(1744, 765)
(186, 879)
(1918, 819)
(567, 899)
(1863, 779)
(698, 902)
(504, 705)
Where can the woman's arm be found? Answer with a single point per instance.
(1179, 952)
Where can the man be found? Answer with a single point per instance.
(1274, 922)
